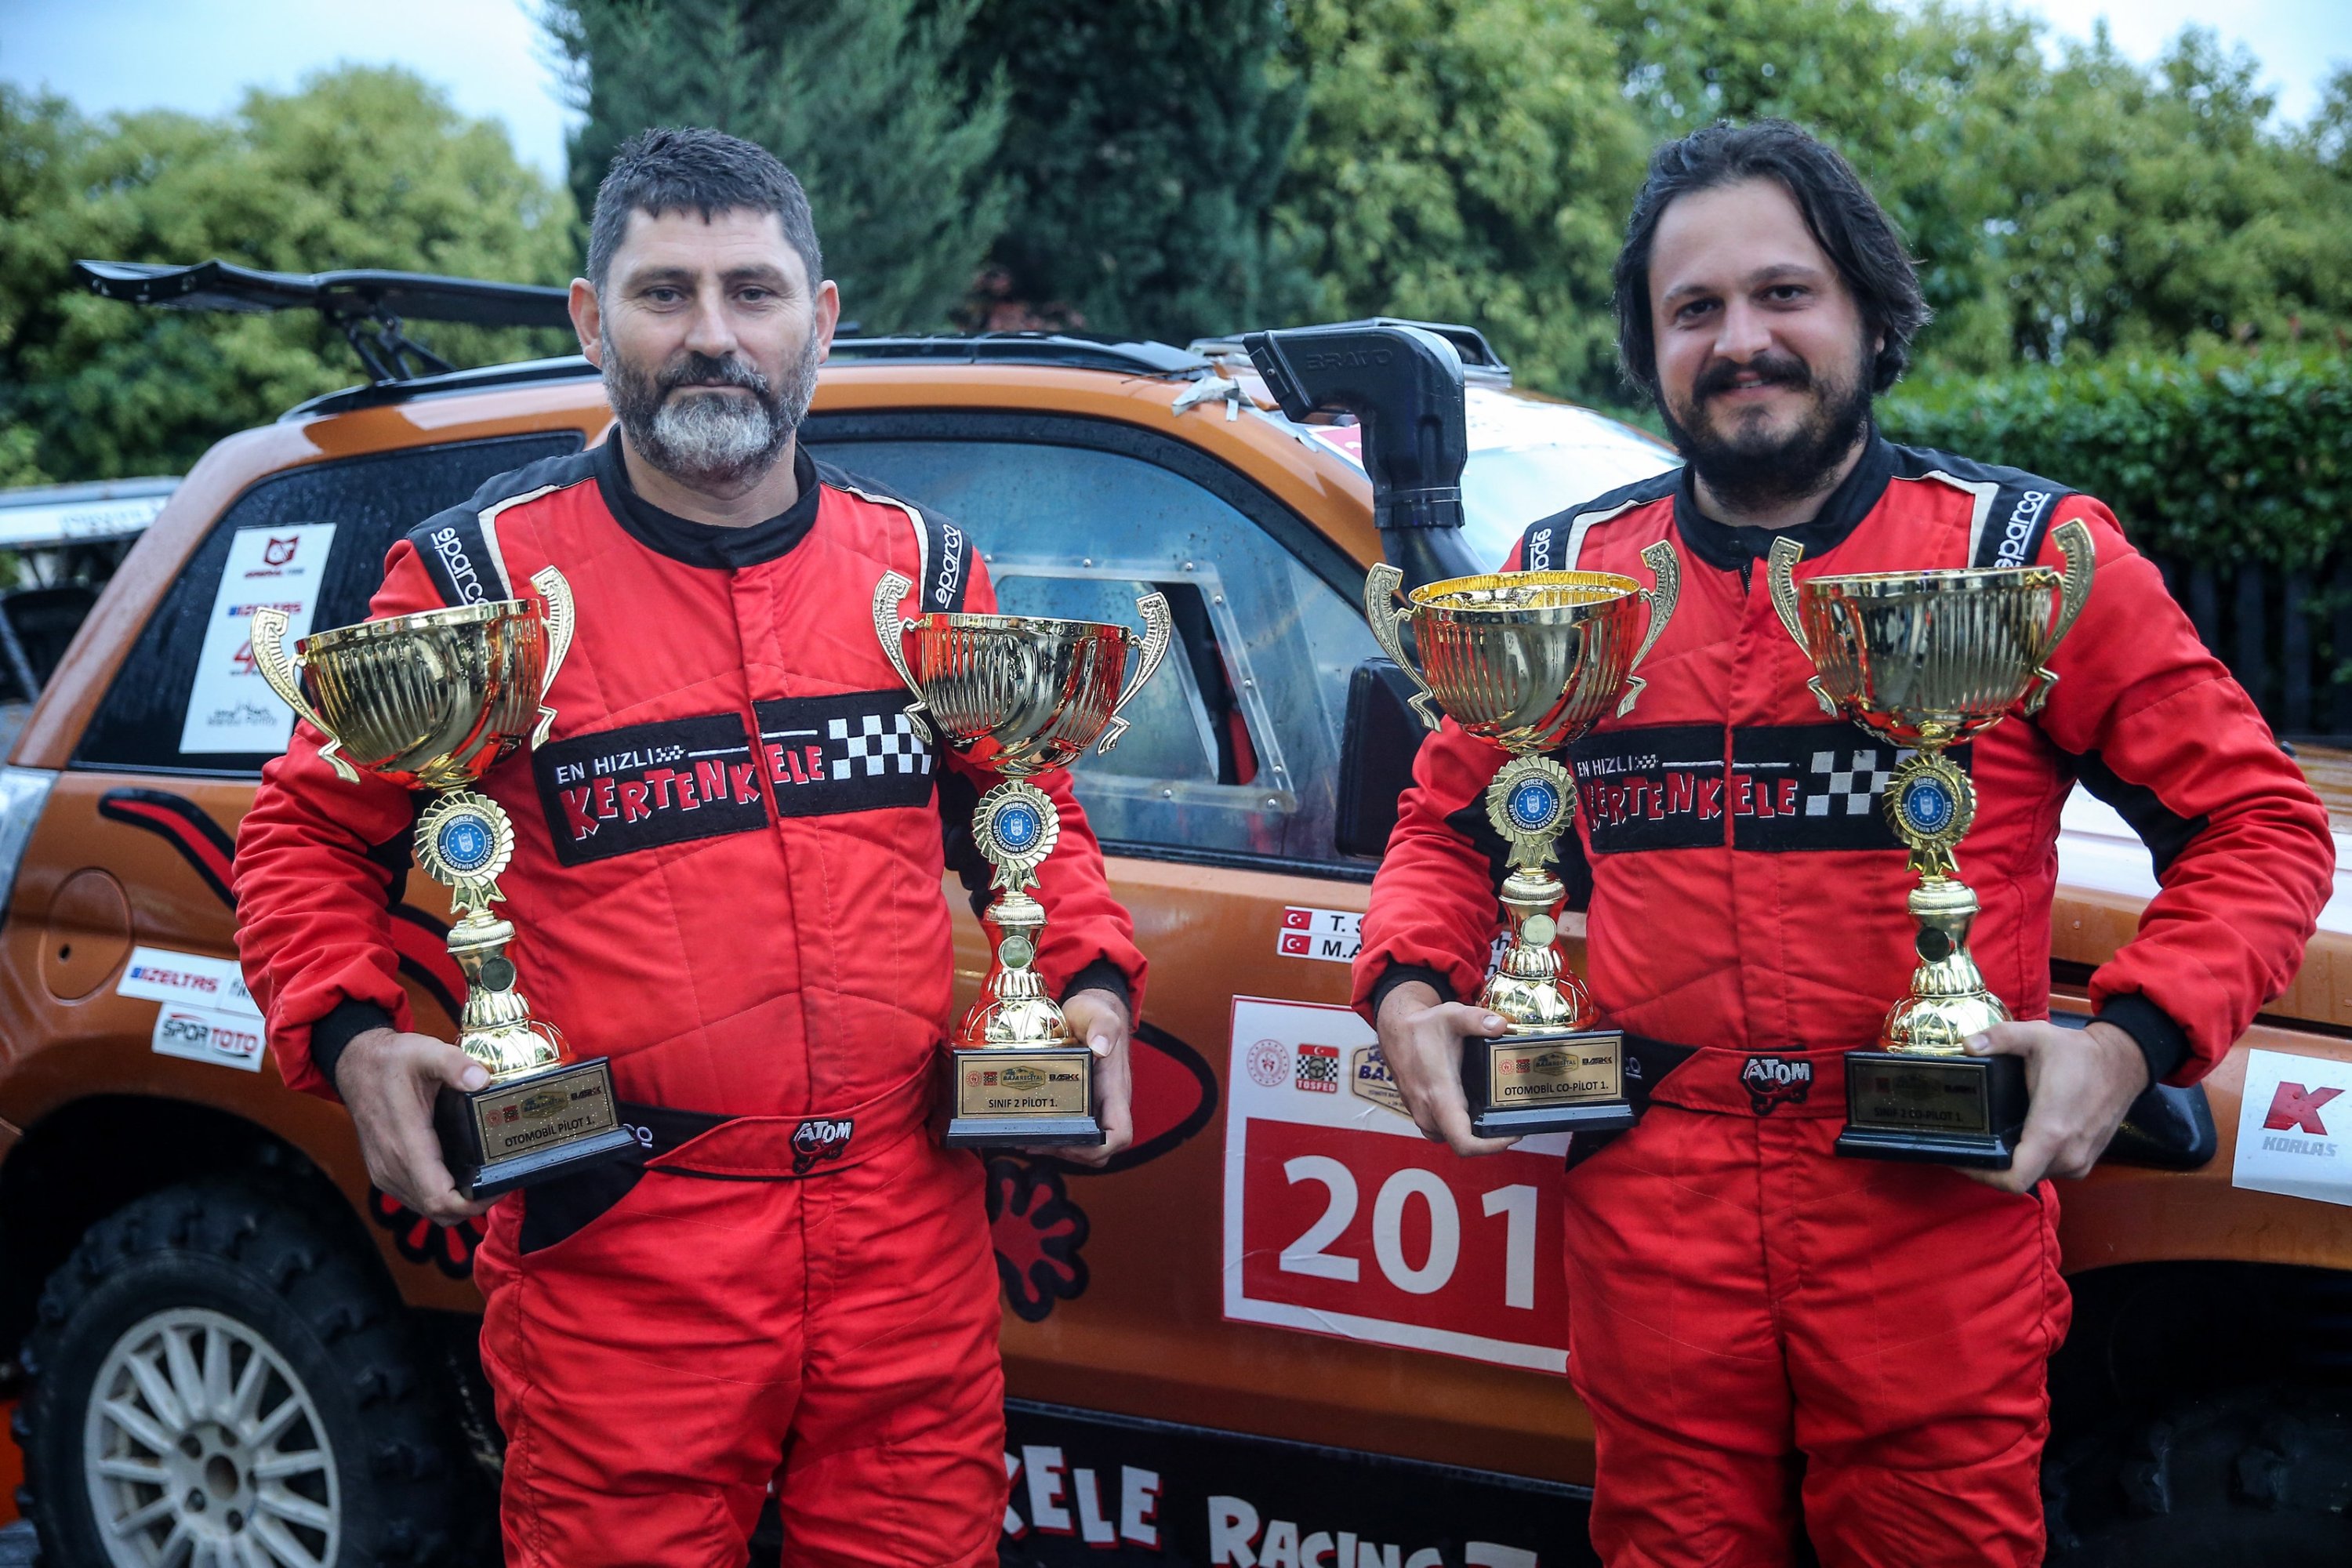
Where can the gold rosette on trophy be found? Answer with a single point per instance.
(1928, 659)
(1040, 692)
(1532, 661)
(432, 701)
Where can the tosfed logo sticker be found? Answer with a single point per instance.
(1319, 1070)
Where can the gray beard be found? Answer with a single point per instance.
(710, 441)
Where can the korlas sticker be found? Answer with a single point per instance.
(2294, 1127)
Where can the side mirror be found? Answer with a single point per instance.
(1375, 757)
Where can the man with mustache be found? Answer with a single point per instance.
(1766, 1333)
(727, 877)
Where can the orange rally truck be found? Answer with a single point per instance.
(1282, 1331)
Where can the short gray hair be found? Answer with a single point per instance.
(690, 168)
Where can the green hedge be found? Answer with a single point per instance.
(2218, 458)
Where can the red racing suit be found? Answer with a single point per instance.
(1746, 1308)
(727, 877)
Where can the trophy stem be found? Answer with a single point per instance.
(1531, 988)
(1531, 803)
(496, 1028)
(1014, 1009)
(1017, 1079)
(463, 841)
(1948, 1001)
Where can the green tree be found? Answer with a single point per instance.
(1147, 139)
(858, 97)
(2154, 210)
(2057, 209)
(1467, 161)
(360, 168)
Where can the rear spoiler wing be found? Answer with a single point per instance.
(369, 306)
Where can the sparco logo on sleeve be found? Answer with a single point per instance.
(819, 1138)
(2017, 533)
(1774, 1081)
(648, 785)
(464, 580)
(1539, 552)
(947, 572)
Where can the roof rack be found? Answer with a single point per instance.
(1073, 350)
(1479, 360)
(368, 305)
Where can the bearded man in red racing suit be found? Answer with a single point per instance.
(1759, 1327)
(727, 877)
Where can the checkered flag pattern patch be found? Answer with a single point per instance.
(880, 744)
(1857, 787)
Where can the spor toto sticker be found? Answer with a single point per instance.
(2294, 1127)
(208, 1035)
(1340, 1218)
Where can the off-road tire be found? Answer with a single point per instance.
(277, 1275)
(2262, 1474)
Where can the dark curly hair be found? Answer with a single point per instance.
(1845, 220)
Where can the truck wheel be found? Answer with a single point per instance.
(214, 1380)
(2249, 1474)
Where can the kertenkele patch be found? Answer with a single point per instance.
(854, 752)
(645, 785)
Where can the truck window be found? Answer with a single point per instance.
(1235, 744)
(349, 512)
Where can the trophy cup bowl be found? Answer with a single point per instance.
(1532, 661)
(431, 702)
(1928, 659)
(1043, 690)
(1025, 694)
(1909, 655)
(1529, 660)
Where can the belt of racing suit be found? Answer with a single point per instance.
(1724, 1082)
(723, 1149)
(776, 1148)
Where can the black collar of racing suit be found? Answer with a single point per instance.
(1730, 549)
(703, 544)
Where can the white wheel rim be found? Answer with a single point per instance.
(201, 1449)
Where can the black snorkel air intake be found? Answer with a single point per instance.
(1403, 385)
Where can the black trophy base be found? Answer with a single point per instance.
(525, 1129)
(1937, 1110)
(1564, 1081)
(1021, 1097)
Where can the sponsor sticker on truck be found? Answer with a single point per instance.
(230, 706)
(208, 1015)
(2294, 1127)
(1341, 1218)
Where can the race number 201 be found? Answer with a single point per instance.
(1341, 1218)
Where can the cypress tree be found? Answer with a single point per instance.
(859, 98)
(1147, 139)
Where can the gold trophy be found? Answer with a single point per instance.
(1532, 660)
(1042, 691)
(1928, 659)
(432, 701)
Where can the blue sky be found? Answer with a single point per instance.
(489, 55)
